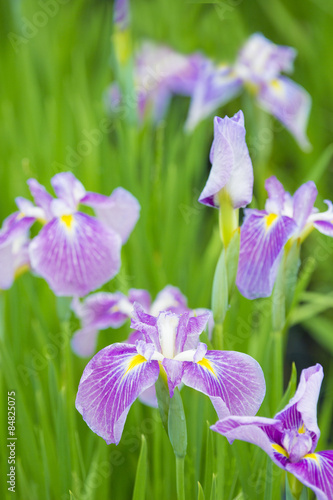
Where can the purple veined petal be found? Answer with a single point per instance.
(42, 198)
(303, 201)
(290, 104)
(171, 299)
(134, 337)
(141, 297)
(210, 324)
(103, 310)
(233, 381)
(261, 244)
(261, 60)
(28, 209)
(261, 431)
(120, 211)
(231, 164)
(302, 408)
(174, 370)
(146, 325)
(75, 254)
(121, 17)
(68, 188)
(316, 472)
(214, 87)
(195, 326)
(110, 383)
(84, 342)
(323, 221)
(276, 196)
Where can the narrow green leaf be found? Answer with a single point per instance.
(141, 473)
(201, 495)
(319, 167)
(213, 490)
(209, 462)
(290, 391)
(320, 329)
(163, 400)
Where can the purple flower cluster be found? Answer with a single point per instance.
(160, 72)
(74, 252)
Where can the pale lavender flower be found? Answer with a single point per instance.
(118, 374)
(232, 169)
(258, 67)
(264, 234)
(291, 437)
(74, 252)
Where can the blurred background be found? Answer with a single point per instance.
(56, 60)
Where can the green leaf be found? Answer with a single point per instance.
(213, 490)
(177, 425)
(290, 391)
(201, 495)
(318, 169)
(141, 473)
(320, 329)
(209, 462)
(220, 290)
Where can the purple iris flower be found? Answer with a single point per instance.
(264, 234)
(74, 252)
(104, 310)
(291, 437)
(118, 374)
(121, 14)
(159, 72)
(232, 169)
(258, 67)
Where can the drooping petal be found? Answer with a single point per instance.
(316, 472)
(262, 60)
(149, 398)
(303, 201)
(302, 408)
(261, 431)
(68, 189)
(231, 164)
(290, 104)
(215, 87)
(120, 211)
(110, 383)
(261, 244)
(233, 381)
(75, 254)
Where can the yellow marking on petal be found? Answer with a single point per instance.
(276, 84)
(207, 364)
(251, 87)
(280, 450)
(163, 373)
(21, 270)
(135, 361)
(270, 218)
(313, 456)
(20, 216)
(67, 220)
(301, 430)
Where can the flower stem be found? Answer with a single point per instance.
(180, 478)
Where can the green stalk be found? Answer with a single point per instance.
(180, 478)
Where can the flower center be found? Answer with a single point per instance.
(167, 324)
(297, 443)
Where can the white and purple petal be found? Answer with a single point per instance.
(42, 198)
(233, 381)
(75, 254)
(120, 211)
(261, 60)
(231, 164)
(276, 196)
(290, 104)
(215, 87)
(303, 201)
(169, 299)
(110, 383)
(316, 472)
(302, 408)
(263, 237)
(68, 189)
